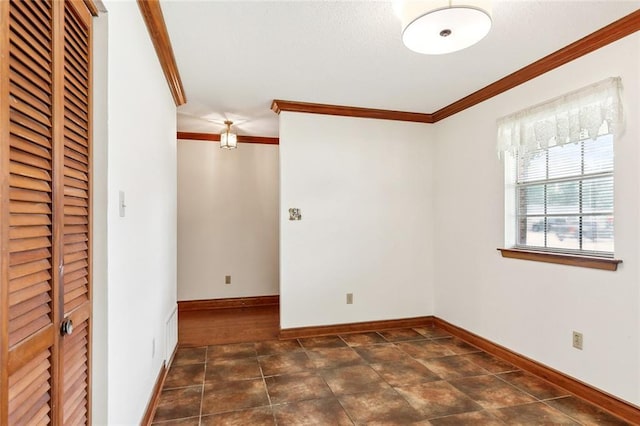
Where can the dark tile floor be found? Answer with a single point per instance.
(420, 376)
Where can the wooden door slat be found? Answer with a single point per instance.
(26, 411)
(75, 183)
(29, 135)
(31, 280)
(75, 174)
(33, 196)
(75, 201)
(29, 256)
(19, 334)
(29, 55)
(34, 38)
(36, 96)
(26, 108)
(31, 148)
(72, 257)
(29, 244)
(22, 157)
(16, 220)
(29, 232)
(28, 293)
(28, 305)
(73, 248)
(38, 18)
(23, 182)
(28, 207)
(29, 268)
(24, 76)
(40, 70)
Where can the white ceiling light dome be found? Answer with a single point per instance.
(437, 27)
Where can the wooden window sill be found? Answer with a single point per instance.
(562, 259)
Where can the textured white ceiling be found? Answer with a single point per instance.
(235, 57)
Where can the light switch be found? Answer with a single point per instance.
(121, 203)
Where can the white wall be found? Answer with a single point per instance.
(99, 359)
(141, 269)
(533, 307)
(365, 188)
(227, 220)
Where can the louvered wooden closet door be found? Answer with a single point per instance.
(45, 156)
(76, 301)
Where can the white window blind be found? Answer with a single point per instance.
(563, 155)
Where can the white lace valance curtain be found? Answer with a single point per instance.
(585, 113)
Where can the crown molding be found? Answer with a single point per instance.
(214, 137)
(594, 41)
(278, 106)
(152, 14)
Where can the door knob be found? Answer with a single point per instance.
(66, 327)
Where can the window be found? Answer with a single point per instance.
(559, 172)
(564, 197)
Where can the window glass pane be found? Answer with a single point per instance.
(598, 154)
(597, 195)
(565, 160)
(534, 232)
(563, 198)
(531, 199)
(563, 232)
(597, 233)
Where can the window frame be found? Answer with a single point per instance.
(521, 222)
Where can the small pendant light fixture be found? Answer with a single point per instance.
(228, 138)
(436, 27)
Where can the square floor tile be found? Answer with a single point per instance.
(233, 369)
(475, 418)
(381, 406)
(432, 332)
(584, 412)
(456, 345)
(313, 412)
(406, 372)
(320, 342)
(191, 421)
(436, 399)
(354, 379)
(262, 416)
(178, 403)
(334, 357)
(533, 385)
(272, 347)
(400, 335)
(231, 396)
(292, 362)
(424, 349)
(382, 353)
(190, 356)
(491, 392)
(181, 376)
(297, 387)
(490, 363)
(362, 339)
(233, 350)
(451, 367)
(536, 413)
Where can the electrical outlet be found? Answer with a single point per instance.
(153, 347)
(349, 298)
(227, 279)
(577, 340)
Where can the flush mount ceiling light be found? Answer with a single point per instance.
(436, 27)
(228, 138)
